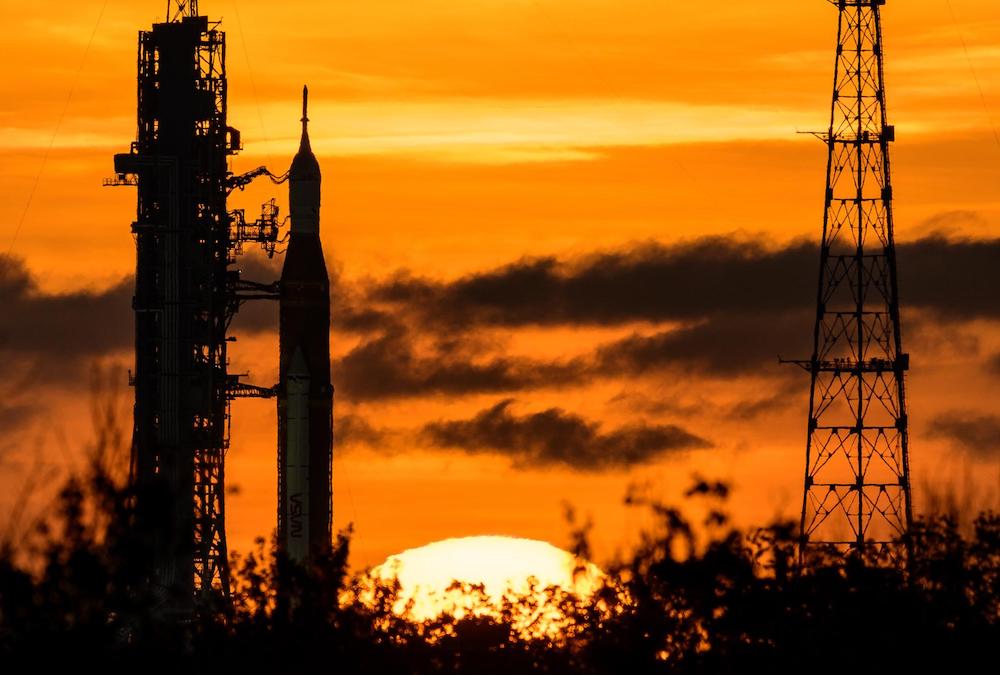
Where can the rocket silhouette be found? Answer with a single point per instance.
(305, 394)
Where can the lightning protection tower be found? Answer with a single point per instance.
(185, 297)
(857, 479)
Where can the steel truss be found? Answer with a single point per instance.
(857, 480)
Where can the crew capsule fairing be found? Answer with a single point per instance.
(305, 394)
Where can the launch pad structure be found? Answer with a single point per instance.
(857, 483)
(186, 295)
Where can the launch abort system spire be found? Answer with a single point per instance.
(857, 481)
(185, 297)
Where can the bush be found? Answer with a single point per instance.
(701, 597)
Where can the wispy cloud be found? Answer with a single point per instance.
(500, 130)
(977, 434)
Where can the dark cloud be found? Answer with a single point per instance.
(732, 307)
(256, 266)
(952, 278)
(649, 282)
(722, 345)
(256, 316)
(689, 282)
(392, 366)
(774, 401)
(948, 222)
(682, 282)
(351, 313)
(979, 435)
(736, 305)
(637, 402)
(769, 398)
(557, 438)
(926, 333)
(60, 333)
(351, 429)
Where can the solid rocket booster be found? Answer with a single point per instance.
(305, 395)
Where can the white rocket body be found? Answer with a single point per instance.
(305, 394)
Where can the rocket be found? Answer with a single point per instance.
(305, 394)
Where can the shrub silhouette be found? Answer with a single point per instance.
(693, 597)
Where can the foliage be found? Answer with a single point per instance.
(693, 597)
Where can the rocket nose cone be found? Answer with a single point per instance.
(305, 166)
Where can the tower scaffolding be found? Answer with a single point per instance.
(185, 297)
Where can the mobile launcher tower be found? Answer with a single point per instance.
(186, 295)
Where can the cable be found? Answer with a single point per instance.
(278, 180)
(340, 468)
(55, 133)
(975, 75)
(253, 85)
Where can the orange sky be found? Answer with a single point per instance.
(459, 136)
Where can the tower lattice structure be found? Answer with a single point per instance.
(857, 480)
(186, 294)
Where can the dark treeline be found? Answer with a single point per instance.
(694, 597)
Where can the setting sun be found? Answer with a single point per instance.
(436, 578)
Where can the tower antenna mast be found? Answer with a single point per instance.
(856, 497)
(178, 9)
